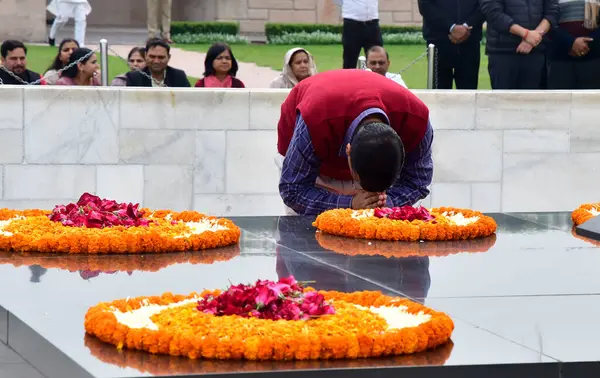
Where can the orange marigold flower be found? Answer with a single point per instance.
(352, 332)
(33, 231)
(448, 224)
(585, 212)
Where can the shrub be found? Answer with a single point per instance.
(329, 38)
(276, 29)
(209, 38)
(205, 27)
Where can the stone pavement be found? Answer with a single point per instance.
(121, 40)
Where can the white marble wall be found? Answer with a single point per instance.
(213, 150)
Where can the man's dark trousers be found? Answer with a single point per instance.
(516, 71)
(458, 64)
(359, 35)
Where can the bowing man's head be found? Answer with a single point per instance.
(375, 155)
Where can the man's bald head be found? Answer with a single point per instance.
(378, 60)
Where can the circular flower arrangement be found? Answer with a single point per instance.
(389, 249)
(99, 226)
(270, 321)
(407, 223)
(585, 212)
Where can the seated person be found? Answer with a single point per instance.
(136, 60)
(65, 49)
(298, 64)
(157, 73)
(14, 65)
(378, 61)
(353, 139)
(220, 68)
(85, 72)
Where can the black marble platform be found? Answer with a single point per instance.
(525, 302)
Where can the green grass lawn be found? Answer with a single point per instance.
(329, 57)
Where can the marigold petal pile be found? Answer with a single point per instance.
(33, 231)
(352, 332)
(445, 225)
(585, 212)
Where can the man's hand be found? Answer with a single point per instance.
(368, 200)
(524, 48)
(580, 46)
(533, 38)
(460, 33)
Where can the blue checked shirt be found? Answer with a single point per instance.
(301, 169)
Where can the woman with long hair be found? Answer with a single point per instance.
(85, 72)
(136, 59)
(220, 68)
(65, 49)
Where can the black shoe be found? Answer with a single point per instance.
(51, 41)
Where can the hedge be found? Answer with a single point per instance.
(276, 29)
(205, 27)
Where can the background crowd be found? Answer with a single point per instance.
(542, 44)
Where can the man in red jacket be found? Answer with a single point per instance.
(353, 139)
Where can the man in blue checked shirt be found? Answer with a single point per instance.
(353, 139)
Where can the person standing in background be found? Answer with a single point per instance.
(515, 45)
(574, 58)
(63, 10)
(159, 19)
(455, 28)
(361, 28)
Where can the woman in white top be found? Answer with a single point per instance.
(298, 64)
(66, 9)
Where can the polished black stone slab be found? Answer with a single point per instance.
(589, 229)
(528, 263)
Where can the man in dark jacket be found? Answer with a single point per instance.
(14, 65)
(575, 52)
(515, 41)
(455, 28)
(157, 73)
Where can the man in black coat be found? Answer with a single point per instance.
(14, 65)
(157, 73)
(515, 41)
(455, 28)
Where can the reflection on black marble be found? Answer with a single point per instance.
(36, 272)
(557, 220)
(169, 365)
(526, 257)
(564, 327)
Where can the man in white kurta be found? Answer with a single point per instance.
(66, 9)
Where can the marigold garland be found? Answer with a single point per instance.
(32, 231)
(349, 334)
(390, 249)
(165, 365)
(584, 213)
(342, 223)
(118, 263)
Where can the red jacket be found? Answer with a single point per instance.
(331, 100)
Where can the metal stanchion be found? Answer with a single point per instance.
(104, 61)
(430, 65)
